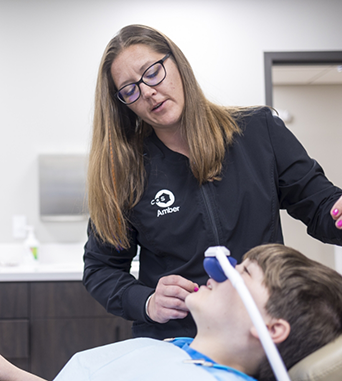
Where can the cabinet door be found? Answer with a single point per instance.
(65, 319)
(63, 299)
(14, 342)
(14, 323)
(57, 340)
(14, 300)
(14, 336)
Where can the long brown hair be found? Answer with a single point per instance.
(116, 175)
(306, 294)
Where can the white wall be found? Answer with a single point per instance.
(317, 122)
(50, 51)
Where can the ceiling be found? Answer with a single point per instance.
(307, 75)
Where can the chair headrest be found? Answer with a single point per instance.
(323, 364)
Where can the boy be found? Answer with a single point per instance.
(299, 299)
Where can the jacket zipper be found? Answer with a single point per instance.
(210, 213)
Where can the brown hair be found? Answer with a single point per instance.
(116, 174)
(305, 293)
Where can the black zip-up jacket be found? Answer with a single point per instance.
(265, 169)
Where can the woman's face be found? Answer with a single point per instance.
(160, 106)
(218, 306)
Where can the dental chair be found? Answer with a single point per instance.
(323, 365)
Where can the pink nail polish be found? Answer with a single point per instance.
(196, 289)
(335, 212)
(339, 223)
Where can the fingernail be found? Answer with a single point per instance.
(339, 223)
(196, 288)
(335, 212)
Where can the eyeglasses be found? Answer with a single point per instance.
(152, 76)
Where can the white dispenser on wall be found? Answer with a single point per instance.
(31, 243)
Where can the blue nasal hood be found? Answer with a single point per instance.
(214, 269)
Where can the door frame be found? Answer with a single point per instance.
(295, 58)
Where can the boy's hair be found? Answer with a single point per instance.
(305, 293)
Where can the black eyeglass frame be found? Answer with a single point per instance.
(117, 94)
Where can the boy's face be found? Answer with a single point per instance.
(218, 306)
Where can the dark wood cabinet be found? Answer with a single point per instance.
(14, 300)
(42, 324)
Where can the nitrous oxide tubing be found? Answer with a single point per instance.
(275, 360)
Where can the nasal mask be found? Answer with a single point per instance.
(220, 266)
(212, 265)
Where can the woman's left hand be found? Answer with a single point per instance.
(336, 213)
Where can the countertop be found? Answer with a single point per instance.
(57, 262)
(41, 272)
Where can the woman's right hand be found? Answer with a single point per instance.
(167, 302)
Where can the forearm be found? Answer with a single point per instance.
(9, 372)
(116, 290)
(107, 277)
(303, 189)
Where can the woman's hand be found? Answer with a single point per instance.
(167, 302)
(336, 213)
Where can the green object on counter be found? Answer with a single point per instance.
(31, 242)
(34, 251)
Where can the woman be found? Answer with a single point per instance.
(173, 173)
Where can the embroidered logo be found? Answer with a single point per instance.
(164, 199)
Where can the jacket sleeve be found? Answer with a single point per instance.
(303, 189)
(107, 278)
